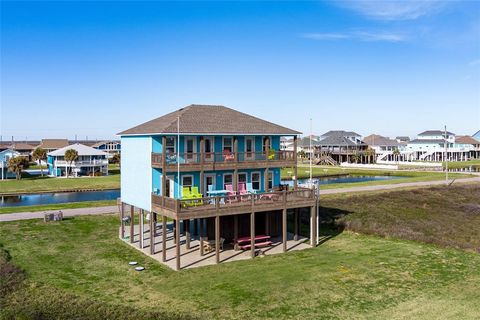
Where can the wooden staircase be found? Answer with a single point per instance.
(326, 160)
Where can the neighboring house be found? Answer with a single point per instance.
(229, 160)
(6, 155)
(402, 139)
(90, 162)
(476, 136)
(384, 147)
(50, 145)
(342, 146)
(24, 149)
(468, 143)
(111, 147)
(304, 145)
(430, 146)
(286, 144)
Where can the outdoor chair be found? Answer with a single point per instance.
(230, 193)
(250, 189)
(228, 155)
(197, 195)
(186, 195)
(242, 191)
(271, 154)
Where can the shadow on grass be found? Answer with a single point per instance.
(329, 226)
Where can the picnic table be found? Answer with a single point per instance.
(264, 241)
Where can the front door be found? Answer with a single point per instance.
(249, 149)
(209, 156)
(190, 150)
(170, 187)
(209, 181)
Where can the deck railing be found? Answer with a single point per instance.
(95, 162)
(222, 157)
(266, 199)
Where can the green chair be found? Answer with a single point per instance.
(187, 195)
(271, 154)
(197, 195)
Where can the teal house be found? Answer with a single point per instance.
(206, 162)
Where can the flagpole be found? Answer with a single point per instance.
(178, 157)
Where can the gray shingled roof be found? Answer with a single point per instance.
(434, 133)
(337, 141)
(420, 141)
(54, 143)
(340, 133)
(377, 140)
(209, 119)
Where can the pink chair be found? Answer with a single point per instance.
(230, 192)
(242, 191)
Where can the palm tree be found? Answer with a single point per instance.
(70, 156)
(40, 155)
(370, 153)
(17, 165)
(396, 153)
(356, 157)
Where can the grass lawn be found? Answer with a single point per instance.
(407, 176)
(447, 216)
(45, 184)
(462, 164)
(58, 206)
(81, 266)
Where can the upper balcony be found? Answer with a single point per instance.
(210, 161)
(230, 205)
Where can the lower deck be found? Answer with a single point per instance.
(191, 256)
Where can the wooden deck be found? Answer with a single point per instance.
(191, 258)
(231, 205)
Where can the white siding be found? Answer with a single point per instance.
(136, 177)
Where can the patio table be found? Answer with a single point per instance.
(220, 193)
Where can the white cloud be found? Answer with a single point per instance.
(393, 9)
(357, 35)
(475, 62)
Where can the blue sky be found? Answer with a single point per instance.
(96, 68)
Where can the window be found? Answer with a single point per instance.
(208, 145)
(227, 179)
(270, 180)
(228, 144)
(189, 145)
(170, 145)
(187, 181)
(256, 180)
(242, 177)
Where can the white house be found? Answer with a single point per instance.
(90, 162)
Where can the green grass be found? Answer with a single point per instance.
(461, 164)
(407, 176)
(349, 276)
(446, 216)
(58, 206)
(47, 184)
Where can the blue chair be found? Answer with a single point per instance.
(250, 188)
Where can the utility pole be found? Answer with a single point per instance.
(446, 155)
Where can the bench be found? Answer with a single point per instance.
(257, 245)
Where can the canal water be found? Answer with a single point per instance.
(60, 197)
(343, 179)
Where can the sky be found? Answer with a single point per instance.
(93, 69)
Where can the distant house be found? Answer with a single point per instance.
(402, 139)
(384, 147)
(53, 144)
(476, 136)
(6, 155)
(470, 144)
(431, 145)
(90, 162)
(111, 147)
(342, 146)
(24, 149)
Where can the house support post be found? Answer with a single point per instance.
(122, 215)
(295, 225)
(177, 241)
(201, 236)
(186, 224)
(313, 227)
(217, 239)
(132, 223)
(235, 232)
(164, 238)
(252, 234)
(152, 233)
(141, 230)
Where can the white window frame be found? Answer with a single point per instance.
(223, 143)
(252, 153)
(174, 144)
(224, 175)
(188, 176)
(270, 175)
(259, 180)
(242, 173)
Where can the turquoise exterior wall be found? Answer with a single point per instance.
(139, 179)
(136, 177)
